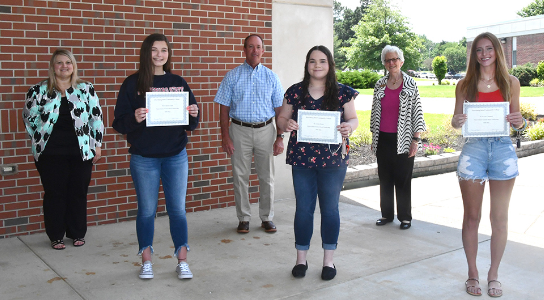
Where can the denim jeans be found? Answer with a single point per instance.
(310, 183)
(146, 174)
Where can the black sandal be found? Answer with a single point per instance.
(78, 240)
(56, 243)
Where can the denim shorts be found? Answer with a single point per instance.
(488, 158)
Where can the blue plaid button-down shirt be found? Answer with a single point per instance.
(251, 94)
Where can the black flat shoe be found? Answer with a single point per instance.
(382, 221)
(328, 273)
(404, 225)
(299, 270)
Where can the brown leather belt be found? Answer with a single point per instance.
(252, 125)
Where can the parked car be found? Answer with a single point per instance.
(458, 76)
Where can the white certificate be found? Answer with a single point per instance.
(486, 119)
(318, 126)
(167, 108)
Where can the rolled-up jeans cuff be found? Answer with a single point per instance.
(329, 246)
(301, 247)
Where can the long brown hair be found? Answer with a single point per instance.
(147, 69)
(469, 87)
(52, 80)
(330, 98)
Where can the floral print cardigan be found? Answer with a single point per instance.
(41, 112)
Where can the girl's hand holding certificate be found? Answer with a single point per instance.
(345, 129)
(516, 119)
(193, 110)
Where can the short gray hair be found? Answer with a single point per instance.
(390, 48)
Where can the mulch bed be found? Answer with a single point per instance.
(362, 155)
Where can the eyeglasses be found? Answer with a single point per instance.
(392, 60)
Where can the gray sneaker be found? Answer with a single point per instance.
(183, 271)
(146, 272)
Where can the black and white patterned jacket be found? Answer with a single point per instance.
(410, 113)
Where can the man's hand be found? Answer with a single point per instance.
(278, 146)
(228, 146)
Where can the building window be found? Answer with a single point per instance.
(514, 52)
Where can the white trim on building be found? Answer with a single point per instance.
(518, 27)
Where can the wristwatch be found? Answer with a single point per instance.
(416, 139)
(280, 135)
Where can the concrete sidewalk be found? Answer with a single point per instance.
(424, 262)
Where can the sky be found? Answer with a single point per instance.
(447, 21)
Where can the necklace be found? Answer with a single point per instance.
(486, 81)
(396, 80)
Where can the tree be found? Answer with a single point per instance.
(428, 64)
(534, 9)
(344, 20)
(381, 26)
(456, 57)
(540, 70)
(440, 67)
(428, 46)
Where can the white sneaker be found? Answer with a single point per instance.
(146, 272)
(183, 271)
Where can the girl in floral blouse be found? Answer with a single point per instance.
(318, 169)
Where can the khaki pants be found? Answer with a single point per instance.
(259, 143)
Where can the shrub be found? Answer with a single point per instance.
(525, 73)
(540, 70)
(444, 134)
(535, 132)
(536, 82)
(445, 82)
(449, 150)
(364, 79)
(440, 67)
(361, 137)
(527, 111)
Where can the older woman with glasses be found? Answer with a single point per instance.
(396, 122)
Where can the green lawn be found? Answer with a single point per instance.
(362, 134)
(431, 120)
(448, 91)
(529, 91)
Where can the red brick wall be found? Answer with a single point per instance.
(530, 48)
(105, 36)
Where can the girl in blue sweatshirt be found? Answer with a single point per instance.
(157, 152)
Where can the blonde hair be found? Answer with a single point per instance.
(52, 80)
(469, 87)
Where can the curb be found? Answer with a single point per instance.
(365, 175)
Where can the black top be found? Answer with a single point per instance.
(156, 141)
(63, 139)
